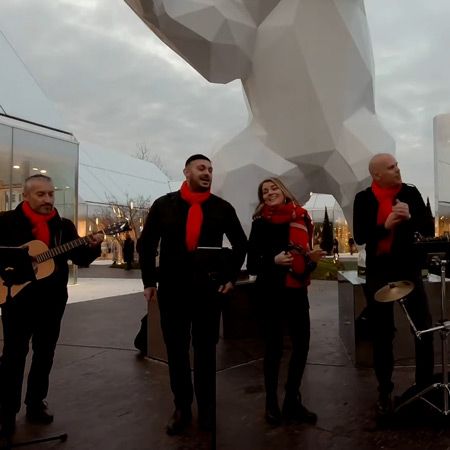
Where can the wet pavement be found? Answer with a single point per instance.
(106, 397)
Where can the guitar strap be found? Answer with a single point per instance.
(58, 238)
(57, 233)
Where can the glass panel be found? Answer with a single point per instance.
(34, 153)
(5, 166)
(442, 172)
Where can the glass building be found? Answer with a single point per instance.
(441, 133)
(93, 186)
(32, 138)
(27, 149)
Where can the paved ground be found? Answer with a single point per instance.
(105, 397)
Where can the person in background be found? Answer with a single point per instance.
(188, 296)
(128, 251)
(386, 216)
(280, 255)
(336, 248)
(351, 245)
(115, 251)
(35, 312)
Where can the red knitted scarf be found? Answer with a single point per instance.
(385, 198)
(300, 236)
(195, 214)
(39, 222)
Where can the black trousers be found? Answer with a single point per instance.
(25, 319)
(286, 308)
(193, 311)
(381, 320)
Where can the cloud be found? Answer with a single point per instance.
(117, 85)
(410, 40)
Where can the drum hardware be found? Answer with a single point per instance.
(399, 291)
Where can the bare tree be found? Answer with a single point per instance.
(144, 153)
(133, 209)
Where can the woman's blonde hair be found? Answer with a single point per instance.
(289, 197)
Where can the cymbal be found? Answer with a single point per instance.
(394, 291)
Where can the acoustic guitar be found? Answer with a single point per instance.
(42, 256)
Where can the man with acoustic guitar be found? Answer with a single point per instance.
(35, 311)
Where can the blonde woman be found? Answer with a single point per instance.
(281, 257)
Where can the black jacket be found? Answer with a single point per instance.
(16, 230)
(265, 242)
(166, 225)
(366, 231)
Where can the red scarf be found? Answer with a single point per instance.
(195, 214)
(300, 236)
(385, 198)
(39, 222)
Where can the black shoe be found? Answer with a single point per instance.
(206, 422)
(384, 404)
(8, 426)
(294, 411)
(178, 422)
(305, 415)
(39, 413)
(273, 413)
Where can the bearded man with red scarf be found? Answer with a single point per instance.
(188, 299)
(35, 312)
(385, 218)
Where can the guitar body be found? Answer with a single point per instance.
(41, 270)
(39, 251)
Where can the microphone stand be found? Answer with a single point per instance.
(16, 268)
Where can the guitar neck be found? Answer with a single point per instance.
(60, 249)
(63, 248)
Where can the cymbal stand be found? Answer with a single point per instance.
(444, 329)
(411, 323)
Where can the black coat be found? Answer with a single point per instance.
(265, 242)
(128, 250)
(16, 230)
(366, 231)
(166, 226)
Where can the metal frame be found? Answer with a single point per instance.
(444, 329)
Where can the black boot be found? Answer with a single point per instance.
(384, 404)
(178, 422)
(39, 413)
(273, 413)
(294, 410)
(8, 425)
(206, 416)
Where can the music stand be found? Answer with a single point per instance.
(211, 265)
(16, 268)
(437, 251)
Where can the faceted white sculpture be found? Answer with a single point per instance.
(307, 71)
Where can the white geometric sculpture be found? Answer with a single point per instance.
(307, 71)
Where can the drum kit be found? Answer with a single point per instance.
(398, 291)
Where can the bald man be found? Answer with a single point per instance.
(385, 217)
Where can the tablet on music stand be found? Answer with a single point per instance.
(212, 259)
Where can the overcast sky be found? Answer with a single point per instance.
(118, 86)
